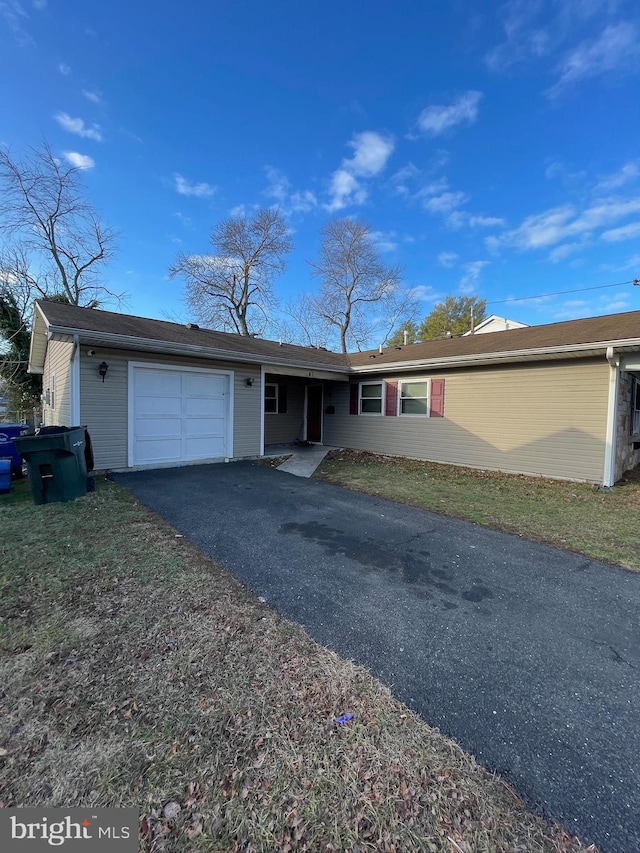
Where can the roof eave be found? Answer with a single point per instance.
(170, 348)
(37, 354)
(593, 348)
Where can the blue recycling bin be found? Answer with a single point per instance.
(5, 476)
(8, 449)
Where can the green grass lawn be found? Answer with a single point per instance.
(598, 523)
(137, 672)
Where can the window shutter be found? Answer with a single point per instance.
(353, 400)
(437, 398)
(282, 399)
(391, 406)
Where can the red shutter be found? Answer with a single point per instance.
(437, 398)
(353, 400)
(391, 407)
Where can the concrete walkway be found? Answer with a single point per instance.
(304, 459)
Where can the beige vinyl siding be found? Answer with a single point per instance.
(58, 362)
(104, 405)
(547, 419)
(284, 428)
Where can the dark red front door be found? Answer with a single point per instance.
(314, 413)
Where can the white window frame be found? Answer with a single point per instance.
(276, 398)
(414, 381)
(361, 398)
(635, 411)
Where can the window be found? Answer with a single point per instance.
(371, 398)
(52, 388)
(271, 398)
(414, 398)
(635, 407)
(275, 398)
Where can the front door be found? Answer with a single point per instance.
(314, 413)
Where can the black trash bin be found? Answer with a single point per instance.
(57, 459)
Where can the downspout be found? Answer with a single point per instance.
(75, 382)
(609, 477)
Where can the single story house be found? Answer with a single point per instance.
(560, 400)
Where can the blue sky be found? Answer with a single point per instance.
(493, 148)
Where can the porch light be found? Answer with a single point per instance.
(102, 370)
(248, 381)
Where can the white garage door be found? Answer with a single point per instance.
(178, 415)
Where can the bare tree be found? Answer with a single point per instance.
(231, 289)
(53, 245)
(359, 294)
(54, 241)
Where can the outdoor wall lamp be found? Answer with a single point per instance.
(248, 382)
(102, 370)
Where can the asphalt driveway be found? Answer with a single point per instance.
(528, 656)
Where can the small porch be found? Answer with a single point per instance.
(295, 408)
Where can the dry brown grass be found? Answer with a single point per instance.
(573, 516)
(135, 671)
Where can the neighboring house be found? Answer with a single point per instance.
(560, 400)
(493, 323)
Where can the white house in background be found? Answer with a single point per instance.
(496, 324)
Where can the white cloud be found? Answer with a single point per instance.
(424, 293)
(626, 232)
(15, 16)
(64, 69)
(447, 259)
(186, 187)
(239, 211)
(92, 96)
(279, 188)
(402, 177)
(445, 203)
(485, 221)
(371, 153)
(77, 126)
(39, 4)
(558, 224)
(79, 161)
(564, 251)
(385, 241)
(617, 48)
(436, 119)
(469, 280)
(627, 173)
(522, 38)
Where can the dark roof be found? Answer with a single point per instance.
(79, 319)
(596, 330)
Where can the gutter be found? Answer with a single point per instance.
(609, 475)
(592, 348)
(75, 381)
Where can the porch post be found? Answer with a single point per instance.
(609, 477)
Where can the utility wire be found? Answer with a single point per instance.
(634, 281)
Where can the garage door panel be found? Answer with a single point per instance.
(204, 448)
(158, 382)
(201, 406)
(204, 427)
(155, 428)
(165, 450)
(203, 385)
(159, 406)
(178, 415)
